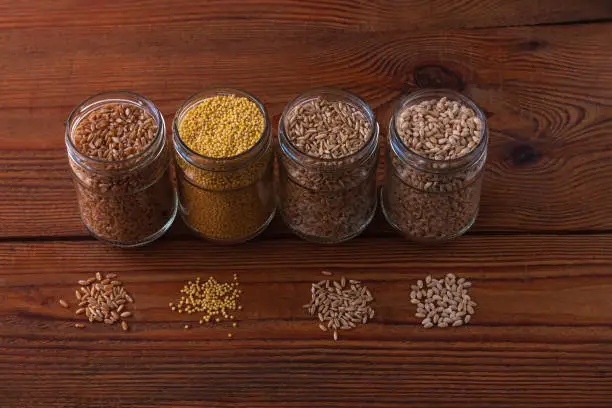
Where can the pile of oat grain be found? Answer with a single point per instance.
(340, 305)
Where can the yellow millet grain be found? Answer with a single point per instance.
(225, 205)
(231, 214)
(222, 126)
(215, 300)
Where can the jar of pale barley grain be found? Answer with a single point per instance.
(435, 159)
(328, 152)
(225, 163)
(120, 160)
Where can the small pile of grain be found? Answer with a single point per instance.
(340, 305)
(443, 302)
(102, 299)
(217, 301)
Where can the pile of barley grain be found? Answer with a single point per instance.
(102, 299)
(443, 302)
(340, 305)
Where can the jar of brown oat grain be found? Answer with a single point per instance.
(435, 159)
(119, 156)
(328, 152)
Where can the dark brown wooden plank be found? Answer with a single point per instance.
(547, 91)
(298, 16)
(540, 336)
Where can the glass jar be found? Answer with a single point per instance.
(431, 200)
(231, 199)
(327, 200)
(126, 202)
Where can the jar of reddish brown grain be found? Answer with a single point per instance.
(119, 156)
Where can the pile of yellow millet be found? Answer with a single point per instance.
(215, 300)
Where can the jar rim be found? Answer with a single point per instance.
(314, 93)
(187, 153)
(106, 97)
(411, 98)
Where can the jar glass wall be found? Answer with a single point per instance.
(225, 199)
(435, 199)
(327, 171)
(119, 157)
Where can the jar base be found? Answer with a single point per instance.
(146, 240)
(328, 241)
(233, 240)
(428, 241)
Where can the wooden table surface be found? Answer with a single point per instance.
(539, 255)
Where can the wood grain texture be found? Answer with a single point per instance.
(546, 91)
(539, 255)
(289, 16)
(540, 336)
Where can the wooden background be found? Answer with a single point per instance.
(539, 255)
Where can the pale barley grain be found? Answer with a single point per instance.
(444, 302)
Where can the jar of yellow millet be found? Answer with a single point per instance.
(224, 162)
